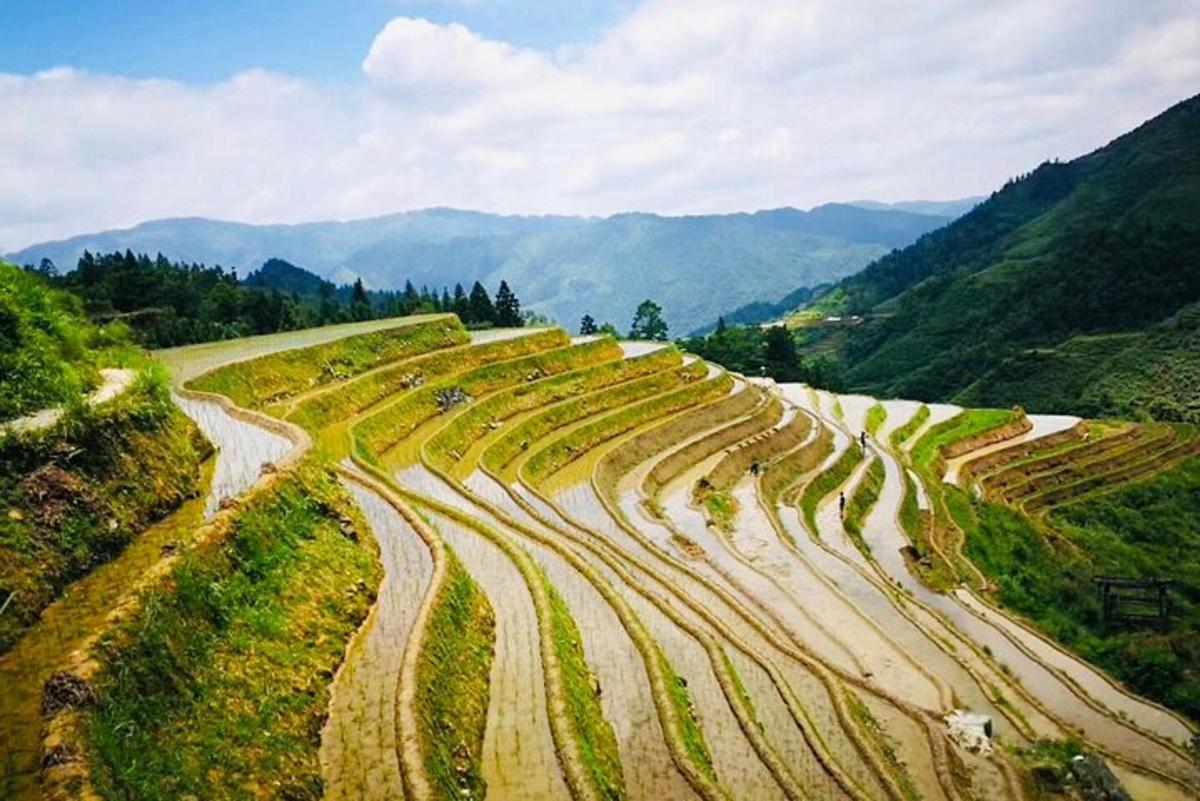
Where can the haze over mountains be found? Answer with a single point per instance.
(696, 267)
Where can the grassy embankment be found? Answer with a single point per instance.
(217, 687)
(876, 416)
(274, 378)
(1147, 529)
(861, 501)
(826, 482)
(74, 494)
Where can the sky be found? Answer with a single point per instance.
(119, 111)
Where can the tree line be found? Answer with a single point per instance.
(166, 303)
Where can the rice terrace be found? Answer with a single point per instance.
(873, 501)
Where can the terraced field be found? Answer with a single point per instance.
(610, 570)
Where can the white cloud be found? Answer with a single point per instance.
(682, 106)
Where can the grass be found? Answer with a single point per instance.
(938, 575)
(904, 432)
(826, 483)
(501, 365)
(1147, 529)
(593, 734)
(452, 684)
(450, 443)
(876, 416)
(274, 377)
(519, 437)
(721, 506)
(76, 494)
(46, 346)
(927, 452)
(690, 732)
(218, 687)
(566, 449)
(879, 741)
(862, 501)
(384, 385)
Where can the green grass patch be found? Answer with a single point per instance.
(862, 501)
(449, 444)
(882, 745)
(452, 684)
(721, 506)
(519, 437)
(905, 431)
(689, 727)
(274, 377)
(826, 483)
(502, 364)
(1149, 529)
(384, 385)
(218, 687)
(74, 495)
(566, 449)
(593, 734)
(876, 416)
(926, 453)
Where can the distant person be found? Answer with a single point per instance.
(842, 504)
(862, 439)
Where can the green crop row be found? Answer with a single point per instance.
(827, 482)
(876, 416)
(273, 377)
(448, 444)
(862, 501)
(565, 449)
(355, 397)
(902, 433)
(530, 430)
(395, 421)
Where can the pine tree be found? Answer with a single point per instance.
(479, 306)
(648, 322)
(508, 308)
(446, 305)
(721, 327)
(360, 304)
(462, 306)
(587, 326)
(411, 298)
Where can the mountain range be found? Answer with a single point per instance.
(695, 267)
(1075, 287)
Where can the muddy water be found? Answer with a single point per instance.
(519, 760)
(63, 627)
(907, 738)
(358, 744)
(626, 699)
(1042, 425)
(242, 449)
(582, 508)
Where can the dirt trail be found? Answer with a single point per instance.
(114, 381)
(358, 744)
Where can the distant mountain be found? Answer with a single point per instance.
(1073, 288)
(696, 267)
(938, 208)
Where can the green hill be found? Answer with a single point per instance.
(1064, 291)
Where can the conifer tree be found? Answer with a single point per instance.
(479, 306)
(587, 326)
(508, 308)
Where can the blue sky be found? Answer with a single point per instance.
(119, 112)
(196, 41)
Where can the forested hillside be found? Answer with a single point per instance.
(1064, 291)
(565, 266)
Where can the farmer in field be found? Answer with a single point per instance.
(842, 503)
(862, 439)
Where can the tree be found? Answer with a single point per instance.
(461, 306)
(648, 322)
(479, 306)
(780, 347)
(608, 329)
(508, 308)
(721, 327)
(587, 326)
(360, 304)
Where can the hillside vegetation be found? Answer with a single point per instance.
(1064, 291)
(564, 267)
